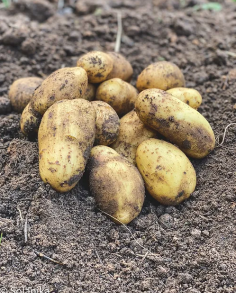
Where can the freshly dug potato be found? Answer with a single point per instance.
(161, 75)
(65, 83)
(189, 96)
(175, 120)
(66, 136)
(107, 123)
(116, 184)
(21, 92)
(30, 121)
(5, 105)
(121, 67)
(117, 93)
(90, 93)
(132, 133)
(168, 174)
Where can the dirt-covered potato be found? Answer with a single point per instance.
(117, 93)
(90, 93)
(21, 92)
(116, 184)
(65, 83)
(30, 121)
(121, 67)
(107, 123)
(66, 136)
(5, 105)
(161, 75)
(177, 121)
(189, 96)
(132, 133)
(168, 174)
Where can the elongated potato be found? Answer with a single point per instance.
(90, 93)
(30, 121)
(161, 75)
(120, 95)
(132, 133)
(190, 97)
(175, 120)
(168, 174)
(65, 83)
(66, 136)
(116, 184)
(121, 67)
(107, 123)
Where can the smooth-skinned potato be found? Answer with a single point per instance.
(30, 121)
(66, 136)
(177, 121)
(168, 174)
(121, 67)
(107, 123)
(116, 184)
(90, 93)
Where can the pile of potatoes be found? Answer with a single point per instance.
(90, 118)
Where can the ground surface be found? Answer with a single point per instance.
(192, 245)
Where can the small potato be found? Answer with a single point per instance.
(90, 93)
(168, 174)
(132, 133)
(161, 75)
(121, 67)
(65, 83)
(21, 92)
(175, 120)
(66, 136)
(116, 184)
(107, 123)
(117, 93)
(188, 96)
(30, 121)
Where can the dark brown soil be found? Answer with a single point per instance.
(192, 245)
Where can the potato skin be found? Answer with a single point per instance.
(121, 67)
(66, 136)
(189, 96)
(90, 93)
(65, 83)
(30, 121)
(132, 133)
(21, 92)
(116, 184)
(161, 75)
(107, 123)
(168, 174)
(120, 95)
(175, 120)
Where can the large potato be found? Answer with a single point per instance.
(168, 174)
(132, 133)
(30, 121)
(21, 92)
(116, 184)
(66, 136)
(175, 120)
(121, 67)
(161, 75)
(117, 93)
(90, 93)
(107, 123)
(65, 83)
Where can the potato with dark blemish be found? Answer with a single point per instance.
(107, 123)
(116, 184)
(30, 121)
(189, 96)
(178, 122)
(168, 174)
(90, 93)
(66, 136)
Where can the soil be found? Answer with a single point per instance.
(191, 246)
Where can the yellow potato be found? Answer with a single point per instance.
(132, 133)
(116, 184)
(65, 83)
(189, 96)
(90, 93)
(30, 121)
(161, 75)
(168, 174)
(21, 92)
(121, 67)
(175, 120)
(117, 93)
(107, 123)
(66, 136)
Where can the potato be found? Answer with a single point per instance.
(66, 136)
(30, 121)
(116, 184)
(188, 96)
(175, 120)
(161, 75)
(107, 123)
(21, 92)
(121, 67)
(117, 93)
(65, 83)
(90, 93)
(168, 174)
(132, 133)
